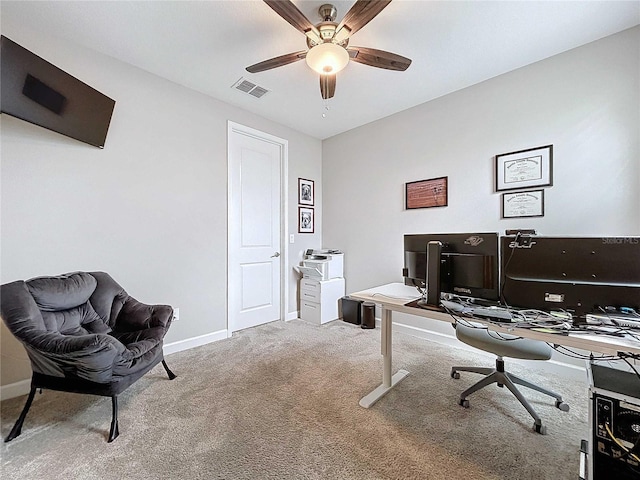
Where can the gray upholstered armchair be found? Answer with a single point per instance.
(83, 333)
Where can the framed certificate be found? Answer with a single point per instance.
(523, 204)
(524, 168)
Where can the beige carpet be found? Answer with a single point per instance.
(280, 401)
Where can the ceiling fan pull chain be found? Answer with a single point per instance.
(325, 103)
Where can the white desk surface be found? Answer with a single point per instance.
(395, 296)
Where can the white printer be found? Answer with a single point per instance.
(322, 264)
(322, 285)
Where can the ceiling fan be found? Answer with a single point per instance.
(328, 51)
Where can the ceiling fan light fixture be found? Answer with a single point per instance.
(327, 58)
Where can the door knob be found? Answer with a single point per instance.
(277, 254)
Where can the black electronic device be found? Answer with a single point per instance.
(464, 264)
(581, 275)
(351, 310)
(614, 423)
(38, 92)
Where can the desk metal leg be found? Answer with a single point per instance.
(388, 381)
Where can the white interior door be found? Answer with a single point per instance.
(256, 165)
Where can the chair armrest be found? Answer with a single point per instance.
(136, 316)
(90, 357)
(56, 343)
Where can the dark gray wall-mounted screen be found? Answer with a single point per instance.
(38, 92)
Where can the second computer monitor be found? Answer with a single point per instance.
(580, 275)
(463, 263)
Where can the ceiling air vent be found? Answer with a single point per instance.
(250, 88)
(258, 92)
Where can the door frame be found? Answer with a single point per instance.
(233, 127)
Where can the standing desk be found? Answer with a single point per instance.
(393, 297)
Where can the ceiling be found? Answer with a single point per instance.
(206, 45)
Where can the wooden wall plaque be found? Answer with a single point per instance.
(426, 193)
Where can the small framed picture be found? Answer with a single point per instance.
(523, 204)
(305, 191)
(426, 193)
(305, 220)
(525, 168)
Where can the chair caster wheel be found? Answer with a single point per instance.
(541, 429)
(463, 402)
(562, 406)
(455, 374)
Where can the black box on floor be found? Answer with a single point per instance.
(368, 315)
(351, 310)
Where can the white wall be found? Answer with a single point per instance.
(150, 209)
(586, 102)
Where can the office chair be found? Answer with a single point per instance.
(503, 345)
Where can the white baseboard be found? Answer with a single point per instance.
(292, 316)
(181, 345)
(16, 389)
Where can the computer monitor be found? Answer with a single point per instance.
(581, 275)
(464, 264)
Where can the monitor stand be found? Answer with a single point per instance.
(434, 254)
(427, 306)
(423, 303)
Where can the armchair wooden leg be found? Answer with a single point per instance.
(17, 428)
(114, 432)
(169, 372)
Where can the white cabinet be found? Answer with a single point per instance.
(319, 299)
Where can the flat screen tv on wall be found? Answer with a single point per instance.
(38, 92)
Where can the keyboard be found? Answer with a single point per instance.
(626, 322)
(497, 314)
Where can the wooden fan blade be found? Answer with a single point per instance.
(379, 58)
(277, 62)
(362, 12)
(327, 86)
(291, 14)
